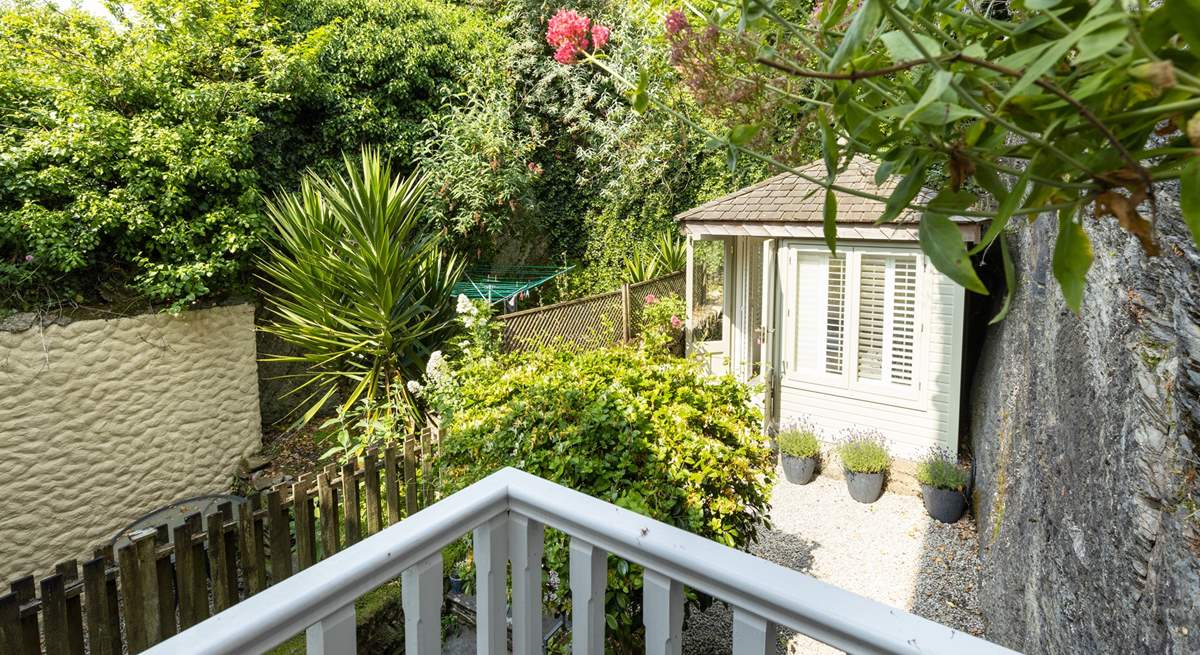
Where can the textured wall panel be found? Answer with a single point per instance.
(102, 421)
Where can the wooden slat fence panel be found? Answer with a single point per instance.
(591, 322)
(163, 581)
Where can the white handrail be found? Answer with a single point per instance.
(752, 585)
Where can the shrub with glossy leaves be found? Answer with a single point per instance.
(650, 433)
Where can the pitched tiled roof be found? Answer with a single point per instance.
(788, 198)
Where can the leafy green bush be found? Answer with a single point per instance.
(126, 151)
(864, 451)
(359, 284)
(940, 471)
(800, 441)
(662, 322)
(647, 432)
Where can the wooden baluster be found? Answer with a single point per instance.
(334, 634)
(421, 596)
(526, 542)
(132, 600)
(114, 597)
(491, 585)
(662, 613)
(224, 590)
(250, 547)
(589, 580)
(189, 573)
(146, 549)
(753, 635)
(165, 577)
(12, 636)
(229, 533)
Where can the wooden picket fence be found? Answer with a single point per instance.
(162, 583)
(590, 322)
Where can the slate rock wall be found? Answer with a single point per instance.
(102, 421)
(1085, 434)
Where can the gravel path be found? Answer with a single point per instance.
(890, 551)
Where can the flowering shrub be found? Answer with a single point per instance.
(571, 33)
(647, 432)
(662, 322)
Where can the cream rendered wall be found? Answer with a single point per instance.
(911, 429)
(102, 421)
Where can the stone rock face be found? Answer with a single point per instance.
(1087, 449)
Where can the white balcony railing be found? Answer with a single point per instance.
(508, 512)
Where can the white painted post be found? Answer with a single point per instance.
(589, 579)
(526, 541)
(421, 591)
(491, 584)
(752, 635)
(662, 612)
(334, 635)
(689, 295)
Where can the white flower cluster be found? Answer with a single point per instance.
(465, 306)
(414, 387)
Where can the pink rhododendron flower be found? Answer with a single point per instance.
(571, 33)
(650, 299)
(675, 322)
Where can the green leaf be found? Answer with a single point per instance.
(1184, 15)
(1072, 258)
(741, 134)
(933, 93)
(1189, 197)
(904, 193)
(942, 242)
(829, 146)
(641, 95)
(831, 13)
(866, 19)
(1096, 19)
(830, 222)
(1040, 4)
(949, 202)
(900, 48)
(936, 113)
(1099, 43)
(1010, 281)
(1010, 203)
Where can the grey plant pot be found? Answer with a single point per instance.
(864, 487)
(945, 505)
(798, 470)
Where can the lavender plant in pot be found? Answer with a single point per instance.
(866, 461)
(799, 451)
(943, 486)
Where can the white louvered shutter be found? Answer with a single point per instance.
(887, 303)
(809, 311)
(835, 315)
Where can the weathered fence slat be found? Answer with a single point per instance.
(250, 547)
(279, 531)
(165, 586)
(410, 474)
(427, 467)
(391, 478)
(329, 517)
(217, 563)
(185, 573)
(54, 615)
(350, 504)
(131, 600)
(99, 625)
(306, 541)
(371, 487)
(69, 570)
(12, 637)
(114, 604)
(146, 548)
(25, 590)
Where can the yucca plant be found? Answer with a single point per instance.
(670, 252)
(359, 283)
(640, 267)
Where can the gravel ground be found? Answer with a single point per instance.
(890, 551)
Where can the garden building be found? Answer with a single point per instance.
(871, 338)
